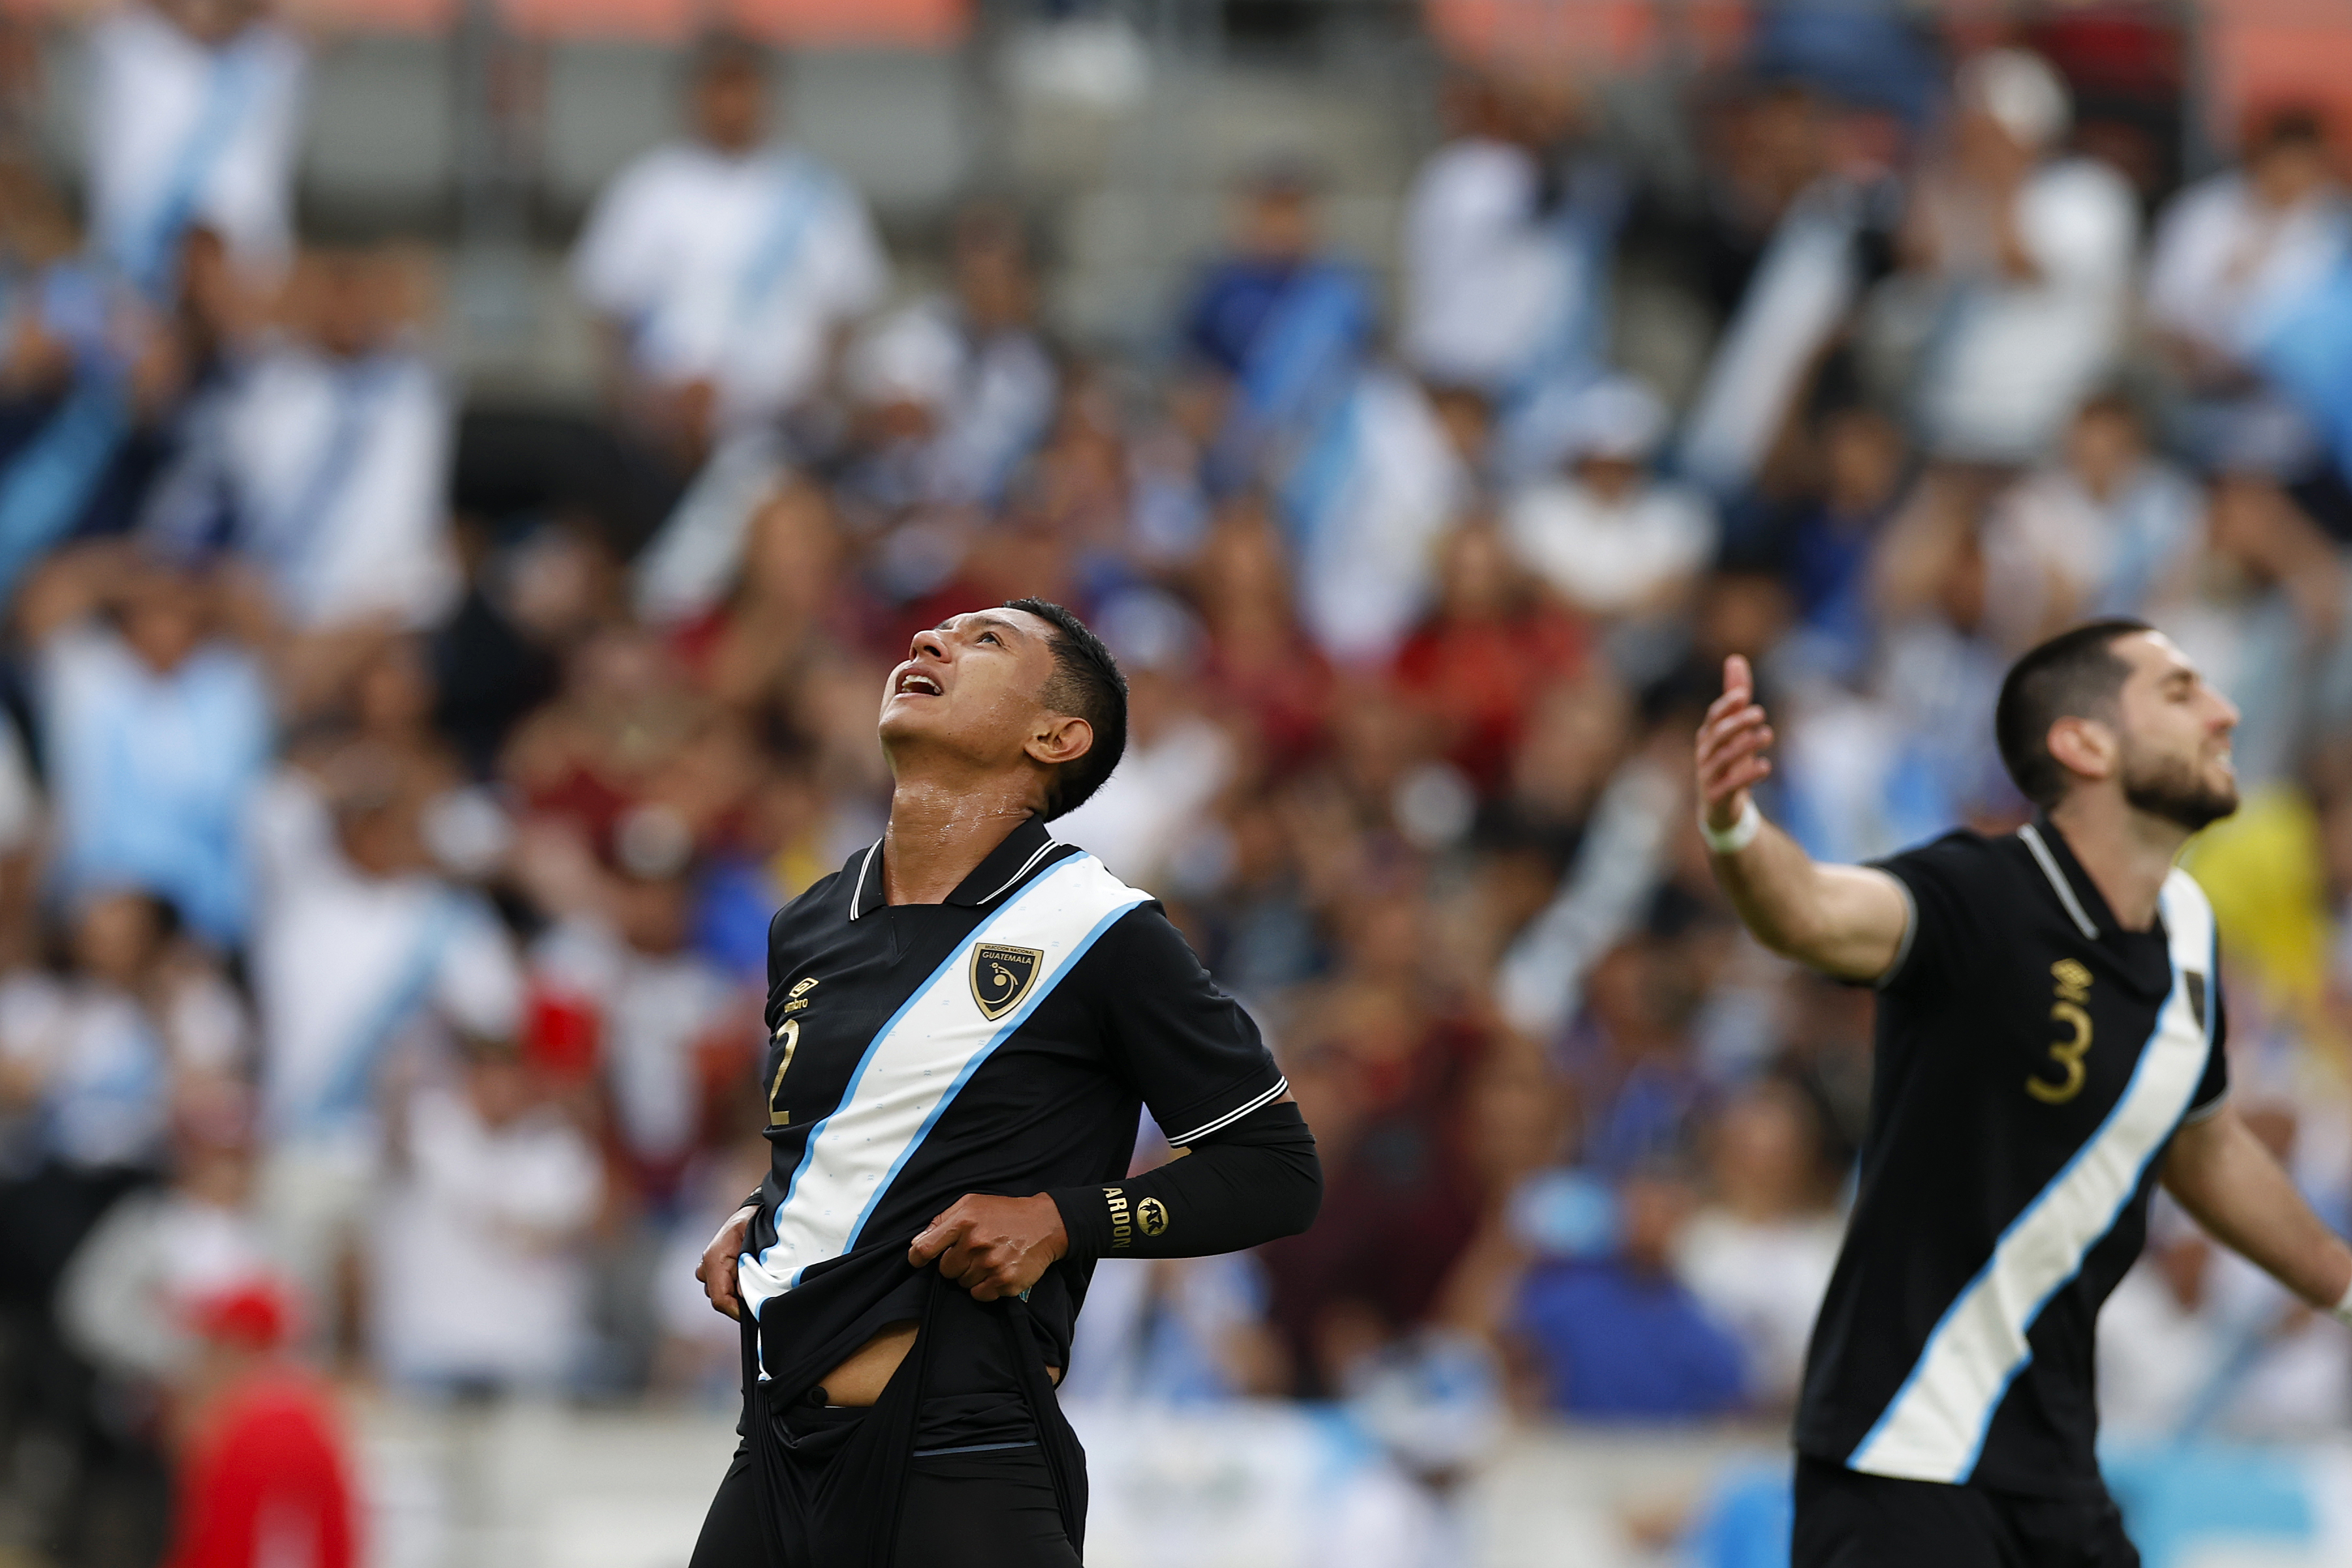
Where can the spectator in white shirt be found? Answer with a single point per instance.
(2107, 530)
(128, 1295)
(194, 118)
(728, 266)
(101, 1049)
(479, 1280)
(366, 967)
(2229, 250)
(957, 388)
(1610, 538)
(1758, 1254)
(337, 443)
(2034, 254)
(155, 726)
(1491, 281)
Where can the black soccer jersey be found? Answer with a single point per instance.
(2033, 1059)
(1001, 1042)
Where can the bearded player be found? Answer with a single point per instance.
(2049, 1050)
(965, 1021)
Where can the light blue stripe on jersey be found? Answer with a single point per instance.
(917, 1063)
(1934, 1428)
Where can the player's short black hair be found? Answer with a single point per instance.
(1086, 684)
(2074, 675)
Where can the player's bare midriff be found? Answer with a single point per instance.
(860, 1380)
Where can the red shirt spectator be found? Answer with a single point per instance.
(1476, 666)
(265, 1477)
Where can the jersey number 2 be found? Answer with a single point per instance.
(2068, 1055)
(790, 1035)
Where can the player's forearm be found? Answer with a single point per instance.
(1257, 1181)
(2219, 1171)
(1846, 920)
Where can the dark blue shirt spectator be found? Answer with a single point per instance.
(1620, 1338)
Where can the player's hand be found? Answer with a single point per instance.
(1732, 739)
(716, 1269)
(993, 1246)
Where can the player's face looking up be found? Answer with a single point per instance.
(970, 697)
(2165, 742)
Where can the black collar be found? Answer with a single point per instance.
(1003, 869)
(2086, 904)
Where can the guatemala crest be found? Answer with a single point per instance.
(1001, 976)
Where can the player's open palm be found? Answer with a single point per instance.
(1733, 740)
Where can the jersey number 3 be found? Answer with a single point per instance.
(2068, 1054)
(790, 1037)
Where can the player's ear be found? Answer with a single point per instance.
(1059, 738)
(2085, 746)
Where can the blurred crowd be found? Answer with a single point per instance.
(393, 794)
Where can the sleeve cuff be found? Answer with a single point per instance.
(2197, 1113)
(1265, 1097)
(1910, 932)
(1085, 1218)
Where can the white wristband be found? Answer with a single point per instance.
(1736, 837)
(2343, 1310)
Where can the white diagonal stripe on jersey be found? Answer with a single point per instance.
(1933, 1427)
(917, 1063)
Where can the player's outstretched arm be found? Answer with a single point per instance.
(2218, 1171)
(1845, 920)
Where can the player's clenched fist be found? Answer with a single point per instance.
(993, 1246)
(1732, 741)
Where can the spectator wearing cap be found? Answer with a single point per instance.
(366, 965)
(266, 1471)
(194, 118)
(726, 267)
(1611, 538)
(2032, 252)
(479, 1280)
(155, 722)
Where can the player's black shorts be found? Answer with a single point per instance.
(974, 1511)
(1848, 1519)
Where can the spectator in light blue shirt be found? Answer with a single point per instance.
(156, 727)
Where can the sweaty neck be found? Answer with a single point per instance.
(941, 829)
(2125, 852)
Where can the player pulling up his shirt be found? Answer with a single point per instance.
(964, 1022)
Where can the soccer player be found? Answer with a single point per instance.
(2048, 1048)
(965, 1022)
